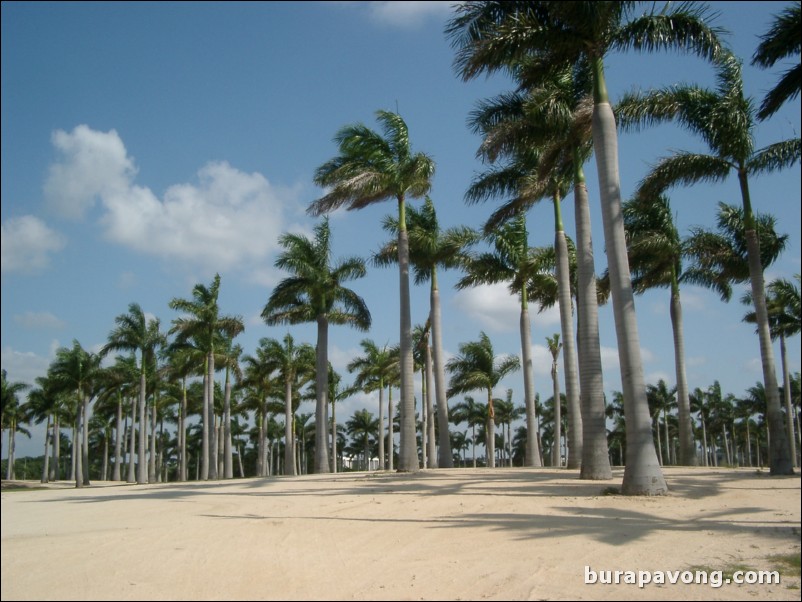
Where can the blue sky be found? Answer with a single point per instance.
(147, 146)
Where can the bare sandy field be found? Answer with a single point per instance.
(459, 534)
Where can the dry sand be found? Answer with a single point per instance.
(460, 534)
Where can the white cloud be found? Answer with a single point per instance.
(23, 366)
(26, 244)
(409, 12)
(226, 219)
(92, 165)
(43, 320)
(491, 305)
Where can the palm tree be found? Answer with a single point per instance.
(116, 382)
(290, 361)
(513, 262)
(471, 412)
(725, 119)
(372, 168)
(655, 258)
(430, 248)
(376, 368)
(315, 293)
(785, 320)
(74, 370)
(554, 116)
(10, 413)
(781, 41)
(554, 345)
(361, 427)
(476, 367)
(491, 36)
(229, 357)
(661, 399)
(135, 332)
(204, 326)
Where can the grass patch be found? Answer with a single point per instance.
(787, 564)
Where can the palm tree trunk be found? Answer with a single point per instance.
(431, 450)
(532, 428)
(142, 467)
(289, 446)
(77, 449)
(556, 456)
(382, 430)
(748, 443)
(473, 439)
(789, 413)
(322, 385)
(116, 474)
(152, 473)
(426, 393)
(56, 469)
(85, 440)
(228, 455)
(390, 429)
(12, 430)
(642, 475)
(408, 448)
(131, 473)
(595, 457)
(687, 447)
(445, 459)
(780, 462)
(667, 460)
(569, 349)
(491, 431)
(182, 427)
(333, 436)
(46, 467)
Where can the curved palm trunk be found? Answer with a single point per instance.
(642, 475)
(532, 447)
(322, 395)
(595, 457)
(289, 444)
(569, 349)
(407, 451)
(431, 444)
(789, 413)
(780, 462)
(687, 446)
(445, 459)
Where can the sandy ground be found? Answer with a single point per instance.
(461, 534)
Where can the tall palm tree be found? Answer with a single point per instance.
(513, 262)
(476, 367)
(314, 292)
(202, 324)
(290, 361)
(725, 119)
(781, 41)
(491, 36)
(553, 114)
(554, 345)
(661, 400)
(10, 413)
(370, 168)
(75, 370)
(116, 382)
(655, 258)
(431, 248)
(785, 320)
(361, 427)
(471, 412)
(135, 332)
(375, 369)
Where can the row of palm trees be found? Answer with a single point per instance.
(536, 140)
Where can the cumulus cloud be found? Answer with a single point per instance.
(491, 305)
(23, 366)
(27, 243)
(223, 220)
(41, 320)
(409, 12)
